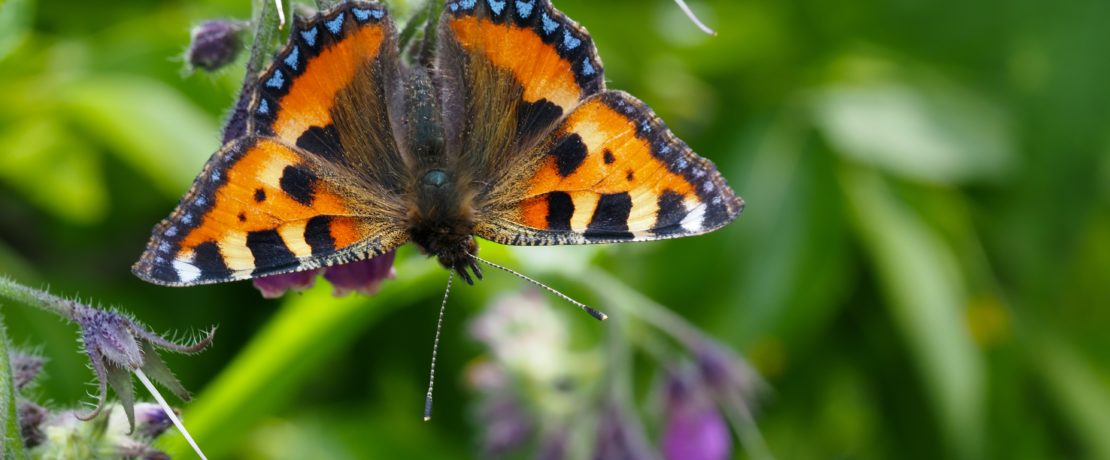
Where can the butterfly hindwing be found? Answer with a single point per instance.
(511, 69)
(286, 192)
(612, 171)
(262, 207)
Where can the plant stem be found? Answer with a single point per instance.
(11, 440)
(36, 298)
(169, 412)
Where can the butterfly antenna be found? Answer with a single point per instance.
(592, 312)
(435, 349)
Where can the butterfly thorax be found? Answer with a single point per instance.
(441, 222)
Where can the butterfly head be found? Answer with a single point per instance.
(442, 223)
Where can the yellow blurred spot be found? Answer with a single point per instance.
(988, 321)
(768, 356)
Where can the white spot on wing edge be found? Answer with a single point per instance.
(186, 271)
(694, 221)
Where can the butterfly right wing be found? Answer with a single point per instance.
(309, 178)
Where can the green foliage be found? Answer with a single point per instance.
(920, 272)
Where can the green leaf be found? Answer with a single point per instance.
(15, 21)
(921, 128)
(148, 124)
(925, 295)
(53, 170)
(1080, 393)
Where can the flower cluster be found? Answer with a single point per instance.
(537, 393)
(214, 44)
(66, 434)
(117, 347)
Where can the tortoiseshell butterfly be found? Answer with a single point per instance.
(344, 151)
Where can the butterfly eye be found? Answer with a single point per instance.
(436, 178)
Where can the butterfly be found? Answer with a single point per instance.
(342, 150)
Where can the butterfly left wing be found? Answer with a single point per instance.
(611, 172)
(262, 207)
(308, 174)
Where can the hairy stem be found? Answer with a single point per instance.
(36, 298)
(11, 439)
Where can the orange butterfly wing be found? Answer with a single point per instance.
(561, 160)
(292, 189)
(612, 171)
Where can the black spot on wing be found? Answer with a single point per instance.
(210, 261)
(259, 195)
(536, 118)
(560, 208)
(317, 233)
(672, 210)
(299, 183)
(269, 251)
(610, 219)
(322, 141)
(569, 153)
(161, 272)
(609, 158)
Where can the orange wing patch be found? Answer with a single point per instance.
(537, 66)
(311, 96)
(264, 212)
(299, 90)
(598, 153)
(612, 171)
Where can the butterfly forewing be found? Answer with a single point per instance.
(285, 193)
(511, 70)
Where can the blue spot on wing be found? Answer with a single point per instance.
(335, 25)
(588, 68)
(549, 25)
(497, 6)
(570, 41)
(263, 107)
(524, 9)
(277, 80)
(362, 15)
(309, 36)
(293, 59)
(467, 4)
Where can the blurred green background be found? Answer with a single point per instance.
(921, 272)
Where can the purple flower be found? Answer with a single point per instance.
(215, 44)
(695, 429)
(730, 379)
(275, 286)
(117, 345)
(619, 437)
(25, 368)
(363, 276)
(505, 425)
(151, 421)
(31, 416)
